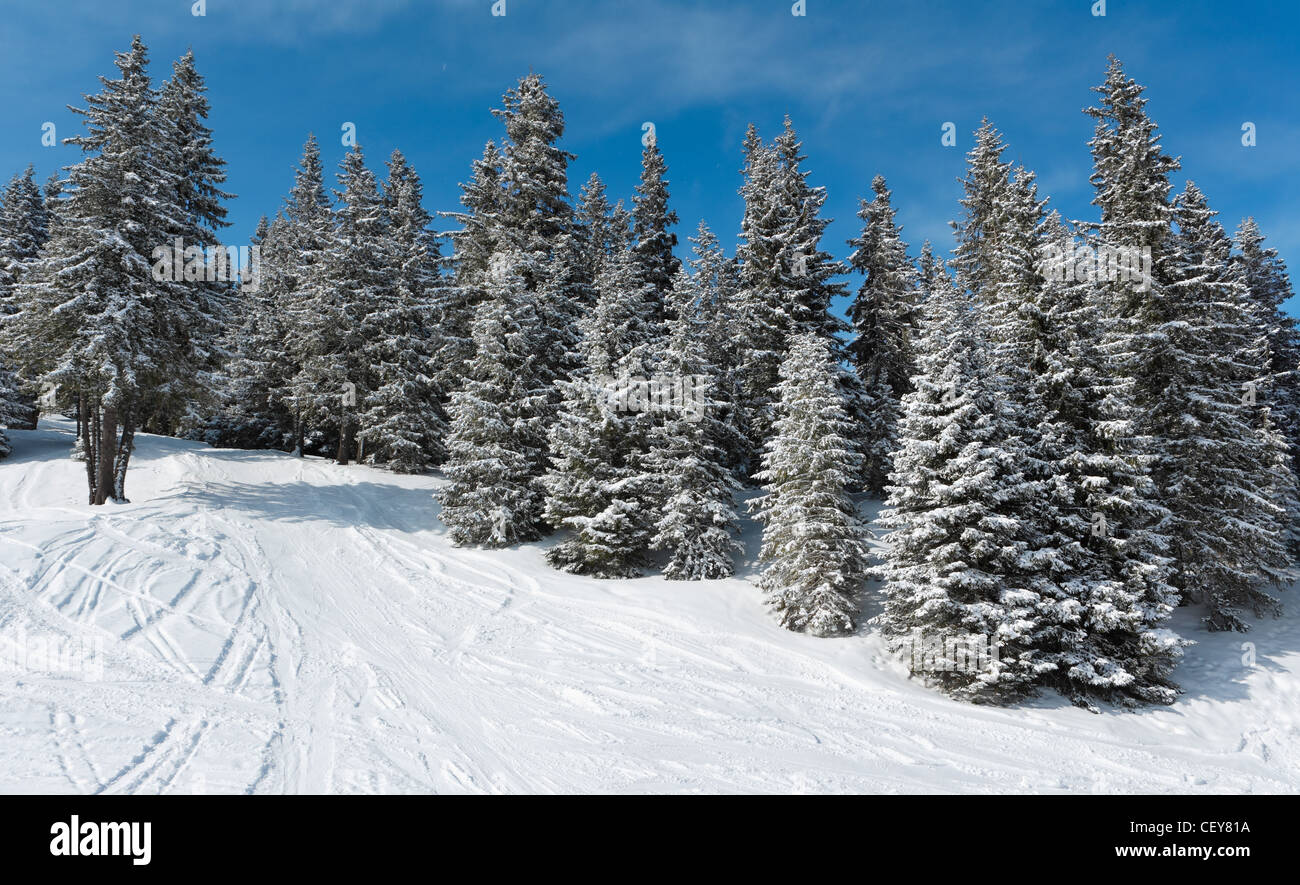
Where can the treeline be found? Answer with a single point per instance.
(1076, 425)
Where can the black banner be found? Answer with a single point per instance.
(935, 834)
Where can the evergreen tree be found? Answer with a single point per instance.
(961, 563)
(474, 247)
(309, 237)
(204, 310)
(814, 550)
(595, 485)
(884, 318)
(1112, 642)
(593, 228)
(786, 284)
(698, 522)
(403, 425)
(23, 232)
(536, 215)
(338, 316)
(95, 319)
(1218, 451)
(497, 438)
(714, 282)
(651, 221)
(1179, 338)
(1265, 276)
(253, 414)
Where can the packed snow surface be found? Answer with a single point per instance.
(259, 623)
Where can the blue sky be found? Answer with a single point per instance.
(869, 85)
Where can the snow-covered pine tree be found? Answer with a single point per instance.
(24, 228)
(1219, 450)
(494, 498)
(786, 285)
(954, 557)
(1265, 276)
(651, 223)
(758, 339)
(95, 320)
(474, 246)
(13, 411)
(1098, 602)
(884, 315)
(1111, 641)
(1180, 338)
(536, 215)
(595, 485)
(202, 307)
(251, 415)
(268, 337)
(655, 268)
(24, 224)
(715, 283)
(338, 316)
(307, 237)
(814, 550)
(698, 522)
(593, 229)
(402, 425)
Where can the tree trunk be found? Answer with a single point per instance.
(87, 442)
(106, 450)
(345, 441)
(123, 457)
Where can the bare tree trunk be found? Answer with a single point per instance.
(345, 440)
(106, 451)
(87, 443)
(123, 457)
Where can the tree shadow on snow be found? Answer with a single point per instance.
(372, 504)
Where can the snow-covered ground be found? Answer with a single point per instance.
(260, 623)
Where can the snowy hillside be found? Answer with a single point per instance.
(269, 625)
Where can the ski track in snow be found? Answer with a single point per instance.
(277, 625)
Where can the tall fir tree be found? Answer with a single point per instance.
(595, 486)
(884, 315)
(814, 551)
(954, 570)
(593, 228)
(1265, 275)
(24, 229)
(1219, 450)
(715, 284)
(199, 173)
(1178, 339)
(652, 220)
(402, 423)
(307, 241)
(339, 316)
(494, 497)
(786, 279)
(697, 522)
(537, 215)
(96, 318)
(1113, 641)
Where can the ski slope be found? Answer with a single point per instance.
(266, 624)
